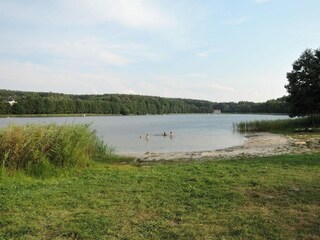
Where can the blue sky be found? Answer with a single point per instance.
(215, 50)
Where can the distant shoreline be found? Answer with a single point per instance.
(108, 115)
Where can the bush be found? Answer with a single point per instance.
(37, 148)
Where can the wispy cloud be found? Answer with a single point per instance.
(133, 13)
(179, 86)
(202, 54)
(87, 51)
(237, 21)
(84, 52)
(196, 75)
(109, 45)
(35, 77)
(261, 1)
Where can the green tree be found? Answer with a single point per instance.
(16, 109)
(4, 107)
(304, 85)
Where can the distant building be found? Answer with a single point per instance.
(216, 111)
(11, 101)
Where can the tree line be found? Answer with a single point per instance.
(57, 103)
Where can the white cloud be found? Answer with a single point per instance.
(135, 13)
(132, 13)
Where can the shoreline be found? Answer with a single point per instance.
(259, 144)
(108, 115)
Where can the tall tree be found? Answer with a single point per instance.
(304, 85)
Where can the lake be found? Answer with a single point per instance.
(191, 132)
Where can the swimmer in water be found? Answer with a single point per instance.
(171, 135)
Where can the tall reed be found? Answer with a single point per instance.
(280, 125)
(44, 146)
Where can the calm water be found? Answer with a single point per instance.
(192, 132)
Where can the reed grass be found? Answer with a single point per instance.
(280, 125)
(39, 149)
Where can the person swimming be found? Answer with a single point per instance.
(164, 134)
(171, 135)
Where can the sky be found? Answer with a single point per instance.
(216, 50)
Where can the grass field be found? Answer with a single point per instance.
(263, 198)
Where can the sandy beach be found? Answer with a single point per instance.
(256, 144)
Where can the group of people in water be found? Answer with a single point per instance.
(164, 134)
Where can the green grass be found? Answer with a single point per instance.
(278, 126)
(40, 149)
(259, 198)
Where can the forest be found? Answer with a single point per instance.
(22, 102)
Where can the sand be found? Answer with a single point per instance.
(256, 144)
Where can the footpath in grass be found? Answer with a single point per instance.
(263, 198)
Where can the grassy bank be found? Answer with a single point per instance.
(40, 149)
(260, 198)
(280, 125)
